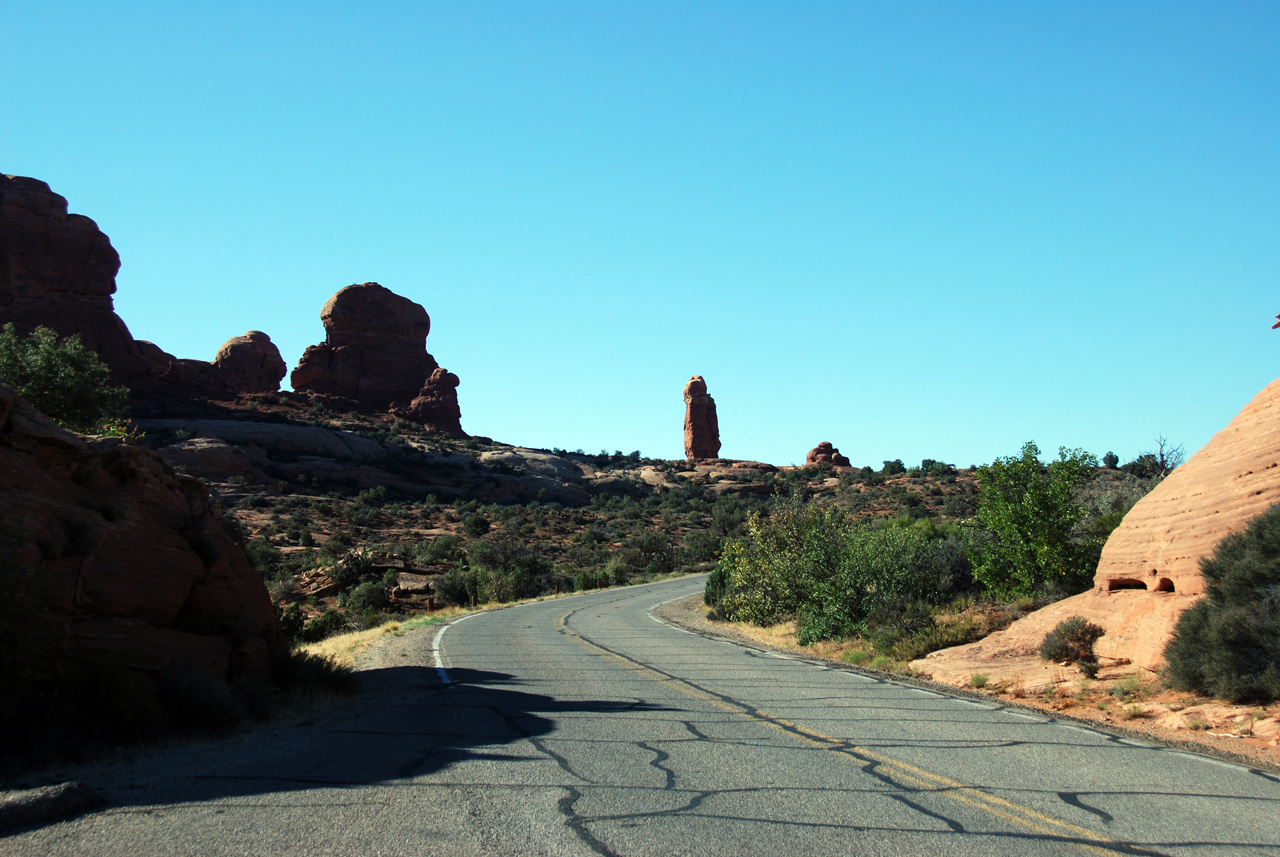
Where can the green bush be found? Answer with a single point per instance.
(63, 379)
(475, 526)
(1227, 645)
(327, 624)
(814, 565)
(1071, 642)
(367, 596)
(1031, 512)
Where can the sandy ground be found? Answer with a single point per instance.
(1125, 704)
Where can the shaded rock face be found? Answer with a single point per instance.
(436, 405)
(58, 270)
(250, 363)
(374, 350)
(131, 559)
(701, 428)
(825, 453)
(1150, 567)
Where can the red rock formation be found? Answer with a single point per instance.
(825, 453)
(250, 363)
(374, 350)
(58, 270)
(1150, 567)
(701, 428)
(131, 559)
(436, 405)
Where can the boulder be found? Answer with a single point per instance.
(436, 405)
(825, 453)
(374, 350)
(1150, 567)
(701, 428)
(250, 363)
(131, 559)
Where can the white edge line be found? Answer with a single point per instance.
(435, 649)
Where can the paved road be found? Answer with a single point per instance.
(586, 726)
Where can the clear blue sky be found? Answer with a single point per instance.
(912, 229)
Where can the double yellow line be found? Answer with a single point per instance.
(970, 796)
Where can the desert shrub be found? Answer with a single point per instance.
(200, 703)
(701, 545)
(327, 624)
(591, 579)
(367, 596)
(306, 671)
(373, 498)
(458, 586)
(475, 525)
(893, 468)
(63, 379)
(444, 549)
(814, 565)
(1071, 642)
(353, 567)
(291, 622)
(265, 557)
(1227, 645)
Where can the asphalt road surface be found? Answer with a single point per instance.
(586, 725)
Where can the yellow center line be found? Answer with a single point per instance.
(959, 792)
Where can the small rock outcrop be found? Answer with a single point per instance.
(131, 559)
(1150, 567)
(374, 350)
(436, 405)
(250, 363)
(825, 453)
(701, 428)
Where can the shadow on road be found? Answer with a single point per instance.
(403, 724)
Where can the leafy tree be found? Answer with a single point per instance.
(1031, 512)
(64, 379)
(1110, 461)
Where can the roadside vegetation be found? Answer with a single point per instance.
(902, 586)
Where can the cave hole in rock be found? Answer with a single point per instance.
(1124, 583)
(1164, 585)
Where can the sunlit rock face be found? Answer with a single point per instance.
(701, 428)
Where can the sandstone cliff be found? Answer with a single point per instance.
(132, 560)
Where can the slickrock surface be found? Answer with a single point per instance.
(374, 350)
(1150, 568)
(132, 558)
(250, 363)
(825, 453)
(701, 428)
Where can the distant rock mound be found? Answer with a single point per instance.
(701, 428)
(825, 453)
(132, 559)
(436, 405)
(58, 270)
(250, 363)
(374, 350)
(1150, 567)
